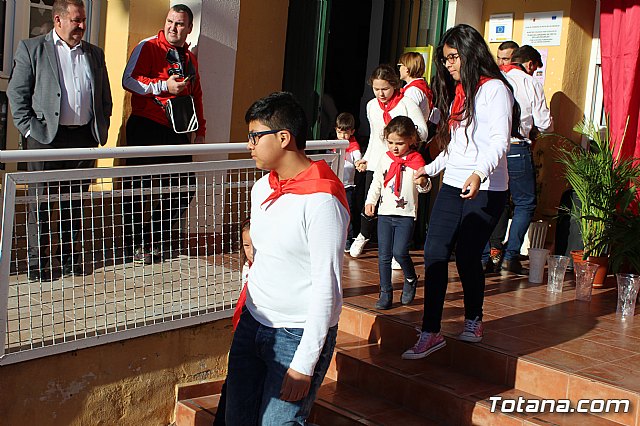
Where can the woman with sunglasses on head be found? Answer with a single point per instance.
(479, 117)
(387, 104)
(411, 67)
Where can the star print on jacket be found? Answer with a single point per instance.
(401, 203)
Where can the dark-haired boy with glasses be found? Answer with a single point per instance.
(286, 335)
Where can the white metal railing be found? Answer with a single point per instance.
(70, 276)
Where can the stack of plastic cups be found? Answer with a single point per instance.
(557, 268)
(537, 259)
(585, 273)
(628, 285)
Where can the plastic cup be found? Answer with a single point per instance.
(628, 285)
(537, 259)
(557, 268)
(585, 273)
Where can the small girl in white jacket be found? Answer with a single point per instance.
(396, 184)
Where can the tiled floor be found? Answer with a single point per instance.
(117, 297)
(585, 340)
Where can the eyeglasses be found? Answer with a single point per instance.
(254, 137)
(399, 65)
(451, 58)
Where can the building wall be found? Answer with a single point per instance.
(259, 62)
(132, 382)
(565, 83)
(465, 12)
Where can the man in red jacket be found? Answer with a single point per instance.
(160, 68)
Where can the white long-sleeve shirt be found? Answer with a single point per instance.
(377, 147)
(420, 99)
(533, 104)
(75, 83)
(488, 142)
(390, 204)
(349, 173)
(295, 279)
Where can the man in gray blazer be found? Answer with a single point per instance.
(60, 98)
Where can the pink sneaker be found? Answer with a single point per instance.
(473, 331)
(427, 343)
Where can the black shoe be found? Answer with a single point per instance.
(488, 267)
(69, 269)
(139, 254)
(514, 266)
(409, 291)
(385, 301)
(34, 275)
(156, 255)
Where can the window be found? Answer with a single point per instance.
(3, 14)
(40, 17)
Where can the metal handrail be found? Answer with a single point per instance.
(15, 156)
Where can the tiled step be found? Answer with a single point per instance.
(379, 341)
(340, 404)
(197, 403)
(197, 411)
(426, 390)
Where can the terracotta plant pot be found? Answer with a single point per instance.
(603, 268)
(576, 255)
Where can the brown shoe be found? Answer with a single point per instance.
(514, 266)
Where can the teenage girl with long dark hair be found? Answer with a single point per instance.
(478, 118)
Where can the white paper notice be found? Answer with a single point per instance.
(541, 73)
(542, 28)
(500, 27)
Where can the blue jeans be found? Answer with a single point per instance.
(467, 225)
(394, 238)
(522, 186)
(258, 361)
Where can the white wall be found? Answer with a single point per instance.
(216, 35)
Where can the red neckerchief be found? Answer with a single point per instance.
(421, 84)
(413, 160)
(242, 300)
(391, 104)
(458, 102)
(353, 144)
(318, 177)
(506, 68)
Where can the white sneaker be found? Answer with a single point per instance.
(358, 246)
(395, 265)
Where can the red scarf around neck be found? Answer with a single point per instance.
(242, 300)
(421, 84)
(458, 102)
(318, 177)
(353, 144)
(391, 104)
(506, 68)
(412, 159)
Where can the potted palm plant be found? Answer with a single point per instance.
(603, 183)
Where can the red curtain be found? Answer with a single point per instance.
(620, 48)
